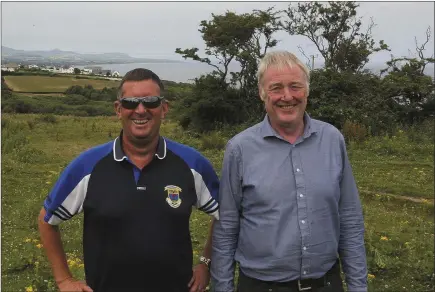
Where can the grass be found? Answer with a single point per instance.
(35, 148)
(53, 84)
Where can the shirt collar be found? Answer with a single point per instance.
(119, 154)
(268, 131)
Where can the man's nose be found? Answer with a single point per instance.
(140, 108)
(287, 94)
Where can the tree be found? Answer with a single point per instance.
(409, 87)
(337, 97)
(233, 37)
(77, 71)
(335, 30)
(241, 38)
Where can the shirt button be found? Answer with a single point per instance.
(305, 272)
(300, 195)
(303, 221)
(297, 169)
(305, 248)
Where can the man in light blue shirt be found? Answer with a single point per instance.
(289, 207)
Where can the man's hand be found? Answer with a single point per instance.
(72, 285)
(200, 278)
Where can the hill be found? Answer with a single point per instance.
(57, 56)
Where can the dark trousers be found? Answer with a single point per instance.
(331, 282)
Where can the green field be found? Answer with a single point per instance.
(35, 148)
(53, 84)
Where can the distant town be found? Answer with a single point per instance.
(62, 69)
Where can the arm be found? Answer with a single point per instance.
(226, 229)
(64, 201)
(351, 245)
(207, 248)
(207, 188)
(51, 240)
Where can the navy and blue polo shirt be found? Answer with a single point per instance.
(136, 233)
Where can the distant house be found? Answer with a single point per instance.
(33, 67)
(66, 69)
(115, 74)
(106, 72)
(86, 71)
(95, 69)
(11, 67)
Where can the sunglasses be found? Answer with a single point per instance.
(147, 102)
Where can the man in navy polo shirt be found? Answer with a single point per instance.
(137, 194)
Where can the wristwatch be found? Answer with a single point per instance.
(205, 260)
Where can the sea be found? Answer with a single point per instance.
(188, 71)
(177, 72)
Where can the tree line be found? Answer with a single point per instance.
(341, 92)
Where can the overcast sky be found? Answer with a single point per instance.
(156, 29)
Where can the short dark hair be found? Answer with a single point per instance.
(139, 74)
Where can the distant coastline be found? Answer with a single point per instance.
(184, 72)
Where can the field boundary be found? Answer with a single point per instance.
(400, 197)
(39, 92)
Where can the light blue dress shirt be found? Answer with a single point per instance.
(288, 211)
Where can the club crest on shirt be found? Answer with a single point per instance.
(173, 198)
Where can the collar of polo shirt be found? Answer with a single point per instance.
(267, 130)
(119, 155)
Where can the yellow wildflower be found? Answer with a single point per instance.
(29, 289)
(27, 240)
(35, 241)
(39, 245)
(71, 262)
(81, 265)
(371, 276)
(384, 238)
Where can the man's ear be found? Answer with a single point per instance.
(165, 109)
(117, 107)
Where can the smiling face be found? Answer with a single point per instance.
(285, 93)
(141, 125)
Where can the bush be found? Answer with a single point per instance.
(358, 97)
(75, 99)
(211, 104)
(213, 140)
(354, 132)
(48, 118)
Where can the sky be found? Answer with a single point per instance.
(156, 29)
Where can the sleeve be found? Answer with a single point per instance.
(226, 230)
(207, 187)
(68, 194)
(351, 243)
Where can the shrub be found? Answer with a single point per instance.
(48, 118)
(75, 99)
(354, 132)
(213, 140)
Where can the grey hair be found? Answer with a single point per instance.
(280, 59)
